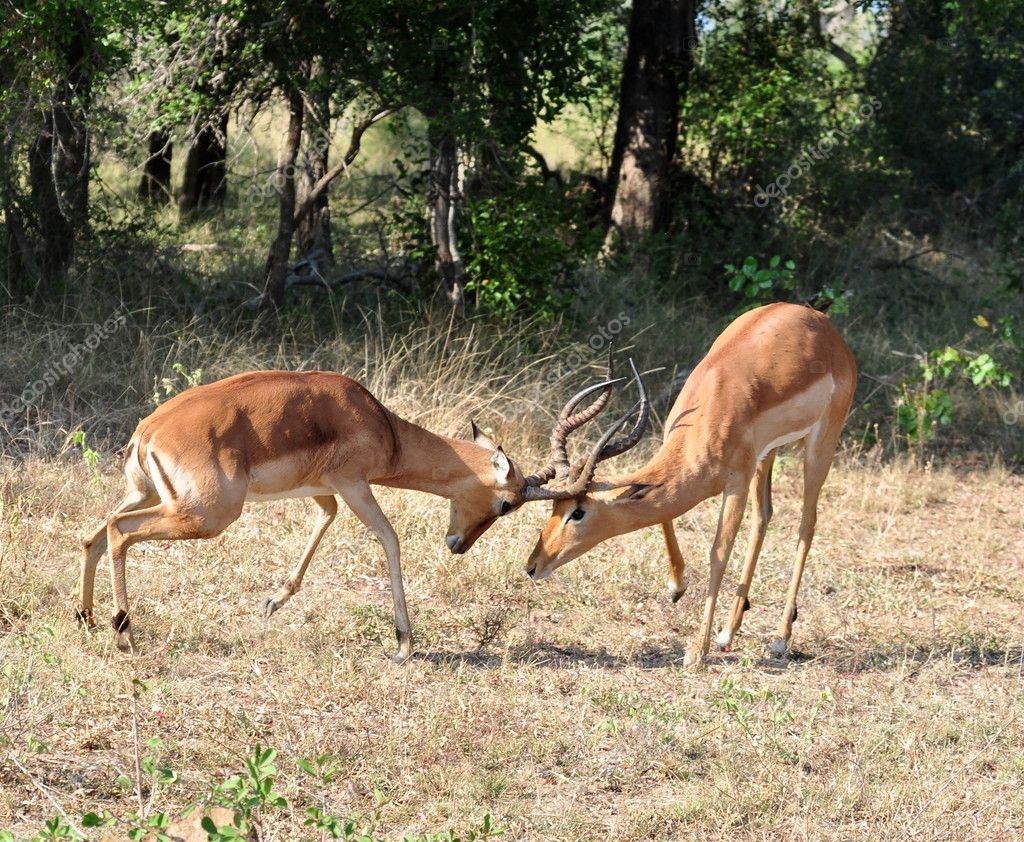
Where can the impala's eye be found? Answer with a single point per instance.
(506, 507)
(577, 514)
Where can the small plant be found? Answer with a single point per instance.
(248, 795)
(183, 380)
(89, 456)
(924, 405)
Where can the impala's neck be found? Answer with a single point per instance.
(676, 484)
(435, 464)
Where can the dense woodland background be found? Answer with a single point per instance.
(273, 170)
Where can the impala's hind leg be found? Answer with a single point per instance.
(819, 451)
(95, 546)
(163, 522)
(676, 564)
(328, 511)
(761, 492)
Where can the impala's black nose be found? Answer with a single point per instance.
(531, 571)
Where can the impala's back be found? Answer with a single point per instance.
(768, 380)
(263, 434)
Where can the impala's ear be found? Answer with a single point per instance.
(481, 438)
(502, 466)
(636, 491)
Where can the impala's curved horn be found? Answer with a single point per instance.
(558, 460)
(582, 473)
(630, 440)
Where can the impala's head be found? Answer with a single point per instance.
(501, 488)
(585, 510)
(496, 491)
(579, 524)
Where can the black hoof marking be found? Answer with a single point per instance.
(85, 617)
(120, 621)
(794, 614)
(676, 596)
(746, 605)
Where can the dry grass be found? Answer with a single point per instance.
(561, 709)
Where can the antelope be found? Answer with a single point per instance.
(192, 464)
(777, 375)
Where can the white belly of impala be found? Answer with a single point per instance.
(793, 419)
(303, 491)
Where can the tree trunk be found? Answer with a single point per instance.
(155, 185)
(658, 59)
(206, 173)
(280, 250)
(442, 206)
(314, 229)
(59, 162)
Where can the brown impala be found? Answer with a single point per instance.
(267, 435)
(777, 375)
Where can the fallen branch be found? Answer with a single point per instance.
(546, 172)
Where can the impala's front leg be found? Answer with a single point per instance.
(676, 563)
(361, 501)
(734, 502)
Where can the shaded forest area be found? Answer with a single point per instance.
(281, 170)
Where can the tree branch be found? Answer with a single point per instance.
(353, 151)
(546, 172)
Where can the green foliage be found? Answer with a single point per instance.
(89, 456)
(251, 795)
(761, 285)
(759, 93)
(522, 252)
(951, 76)
(924, 404)
(183, 379)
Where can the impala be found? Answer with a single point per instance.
(266, 435)
(777, 375)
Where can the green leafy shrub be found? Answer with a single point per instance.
(924, 403)
(761, 285)
(523, 249)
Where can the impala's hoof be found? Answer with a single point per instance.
(779, 647)
(404, 647)
(270, 605)
(692, 660)
(724, 640)
(675, 592)
(124, 639)
(85, 617)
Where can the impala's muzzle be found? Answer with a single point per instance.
(454, 543)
